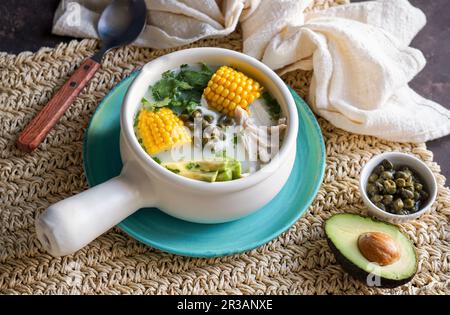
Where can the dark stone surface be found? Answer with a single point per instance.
(26, 24)
(434, 81)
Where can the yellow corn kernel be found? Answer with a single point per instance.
(161, 130)
(229, 88)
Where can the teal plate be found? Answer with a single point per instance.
(153, 227)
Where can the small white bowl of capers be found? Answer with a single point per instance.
(397, 187)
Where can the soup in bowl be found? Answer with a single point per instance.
(210, 125)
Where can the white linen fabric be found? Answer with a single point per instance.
(359, 53)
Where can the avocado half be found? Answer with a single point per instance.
(342, 232)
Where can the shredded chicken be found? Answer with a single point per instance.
(258, 140)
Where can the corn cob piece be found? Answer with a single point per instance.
(161, 130)
(229, 88)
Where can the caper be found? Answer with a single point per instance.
(377, 198)
(225, 120)
(205, 141)
(411, 189)
(381, 206)
(372, 189)
(379, 185)
(373, 178)
(418, 186)
(207, 135)
(205, 124)
(409, 182)
(208, 118)
(406, 194)
(197, 113)
(416, 195)
(397, 205)
(190, 125)
(387, 200)
(184, 117)
(400, 182)
(379, 169)
(219, 134)
(215, 133)
(401, 174)
(387, 165)
(416, 206)
(386, 175)
(423, 195)
(409, 203)
(406, 170)
(389, 186)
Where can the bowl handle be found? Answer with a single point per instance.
(72, 223)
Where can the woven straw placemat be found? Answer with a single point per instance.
(297, 262)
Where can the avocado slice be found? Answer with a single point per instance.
(207, 170)
(203, 176)
(224, 175)
(235, 168)
(343, 231)
(181, 169)
(212, 165)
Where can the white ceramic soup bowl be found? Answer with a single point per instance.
(74, 222)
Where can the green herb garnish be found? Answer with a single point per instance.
(153, 106)
(192, 165)
(181, 91)
(157, 159)
(274, 107)
(174, 170)
(235, 140)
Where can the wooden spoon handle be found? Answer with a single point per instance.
(35, 132)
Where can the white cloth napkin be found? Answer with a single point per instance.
(359, 52)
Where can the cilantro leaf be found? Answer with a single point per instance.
(274, 107)
(152, 106)
(205, 69)
(174, 170)
(169, 74)
(194, 78)
(166, 87)
(192, 165)
(182, 90)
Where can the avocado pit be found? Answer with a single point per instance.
(379, 248)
